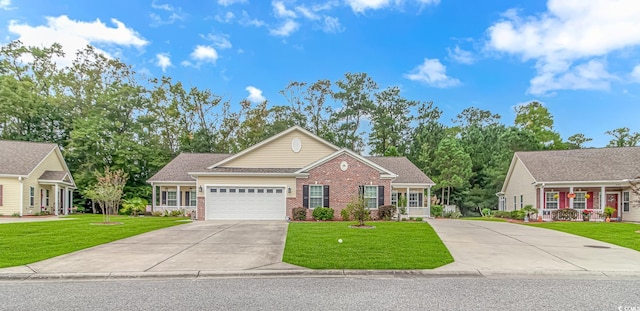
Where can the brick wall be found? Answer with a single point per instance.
(200, 207)
(343, 185)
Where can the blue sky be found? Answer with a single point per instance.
(580, 58)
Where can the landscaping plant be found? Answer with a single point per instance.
(323, 213)
(358, 210)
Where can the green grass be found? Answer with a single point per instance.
(391, 245)
(622, 234)
(24, 243)
(484, 219)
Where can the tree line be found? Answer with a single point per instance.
(103, 114)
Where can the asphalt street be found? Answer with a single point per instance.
(367, 293)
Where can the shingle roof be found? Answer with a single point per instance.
(21, 157)
(178, 168)
(53, 175)
(407, 172)
(582, 164)
(253, 170)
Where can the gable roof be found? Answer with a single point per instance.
(602, 164)
(270, 139)
(178, 169)
(356, 156)
(20, 158)
(407, 172)
(54, 176)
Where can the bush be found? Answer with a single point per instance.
(486, 212)
(299, 213)
(15, 215)
(517, 214)
(134, 206)
(358, 210)
(385, 212)
(177, 213)
(436, 210)
(156, 213)
(323, 213)
(418, 218)
(80, 209)
(344, 214)
(501, 214)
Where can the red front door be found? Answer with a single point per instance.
(612, 201)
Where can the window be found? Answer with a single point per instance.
(551, 200)
(32, 196)
(46, 200)
(413, 199)
(580, 201)
(521, 201)
(278, 190)
(315, 196)
(371, 196)
(172, 199)
(223, 190)
(232, 190)
(260, 190)
(394, 198)
(242, 190)
(269, 190)
(625, 201)
(193, 200)
(515, 203)
(251, 190)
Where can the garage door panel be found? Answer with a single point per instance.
(251, 202)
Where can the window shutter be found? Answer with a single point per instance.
(164, 198)
(361, 191)
(1, 195)
(590, 200)
(420, 199)
(305, 196)
(562, 196)
(380, 195)
(326, 195)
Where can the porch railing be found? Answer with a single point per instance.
(596, 215)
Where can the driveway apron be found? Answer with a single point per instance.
(501, 247)
(198, 246)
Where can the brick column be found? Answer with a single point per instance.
(200, 208)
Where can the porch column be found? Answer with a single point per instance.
(71, 198)
(56, 205)
(571, 199)
(178, 197)
(428, 201)
(542, 201)
(407, 197)
(603, 198)
(153, 197)
(66, 200)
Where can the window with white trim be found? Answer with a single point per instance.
(626, 201)
(515, 202)
(394, 198)
(580, 201)
(315, 196)
(172, 199)
(193, 200)
(413, 199)
(371, 196)
(521, 201)
(46, 200)
(32, 196)
(551, 200)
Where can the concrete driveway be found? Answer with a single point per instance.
(500, 247)
(198, 246)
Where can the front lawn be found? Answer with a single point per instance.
(622, 234)
(28, 242)
(391, 245)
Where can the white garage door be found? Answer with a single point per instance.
(249, 202)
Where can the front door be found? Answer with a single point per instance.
(612, 201)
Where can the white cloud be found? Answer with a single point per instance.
(255, 94)
(76, 35)
(5, 4)
(230, 2)
(635, 74)
(308, 13)
(285, 29)
(204, 54)
(163, 60)
(432, 73)
(220, 41)
(461, 56)
(281, 11)
(569, 32)
(331, 24)
(175, 14)
(246, 20)
(226, 18)
(360, 6)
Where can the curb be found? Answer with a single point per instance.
(313, 273)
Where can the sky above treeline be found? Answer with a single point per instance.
(580, 58)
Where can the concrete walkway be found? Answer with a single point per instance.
(500, 247)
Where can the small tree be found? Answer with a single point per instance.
(108, 190)
(358, 210)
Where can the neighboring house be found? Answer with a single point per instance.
(34, 178)
(580, 179)
(292, 169)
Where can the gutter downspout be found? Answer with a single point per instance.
(21, 195)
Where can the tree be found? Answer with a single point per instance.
(537, 118)
(622, 137)
(355, 92)
(390, 121)
(108, 191)
(358, 210)
(454, 164)
(425, 137)
(577, 141)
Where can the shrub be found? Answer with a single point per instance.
(15, 215)
(299, 213)
(385, 212)
(156, 213)
(436, 210)
(177, 213)
(344, 213)
(501, 214)
(517, 214)
(358, 210)
(134, 206)
(80, 209)
(455, 215)
(418, 218)
(323, 213)
(486, 212)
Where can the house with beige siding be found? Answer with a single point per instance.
(34, 179)
(294, 168)
(580, 179)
